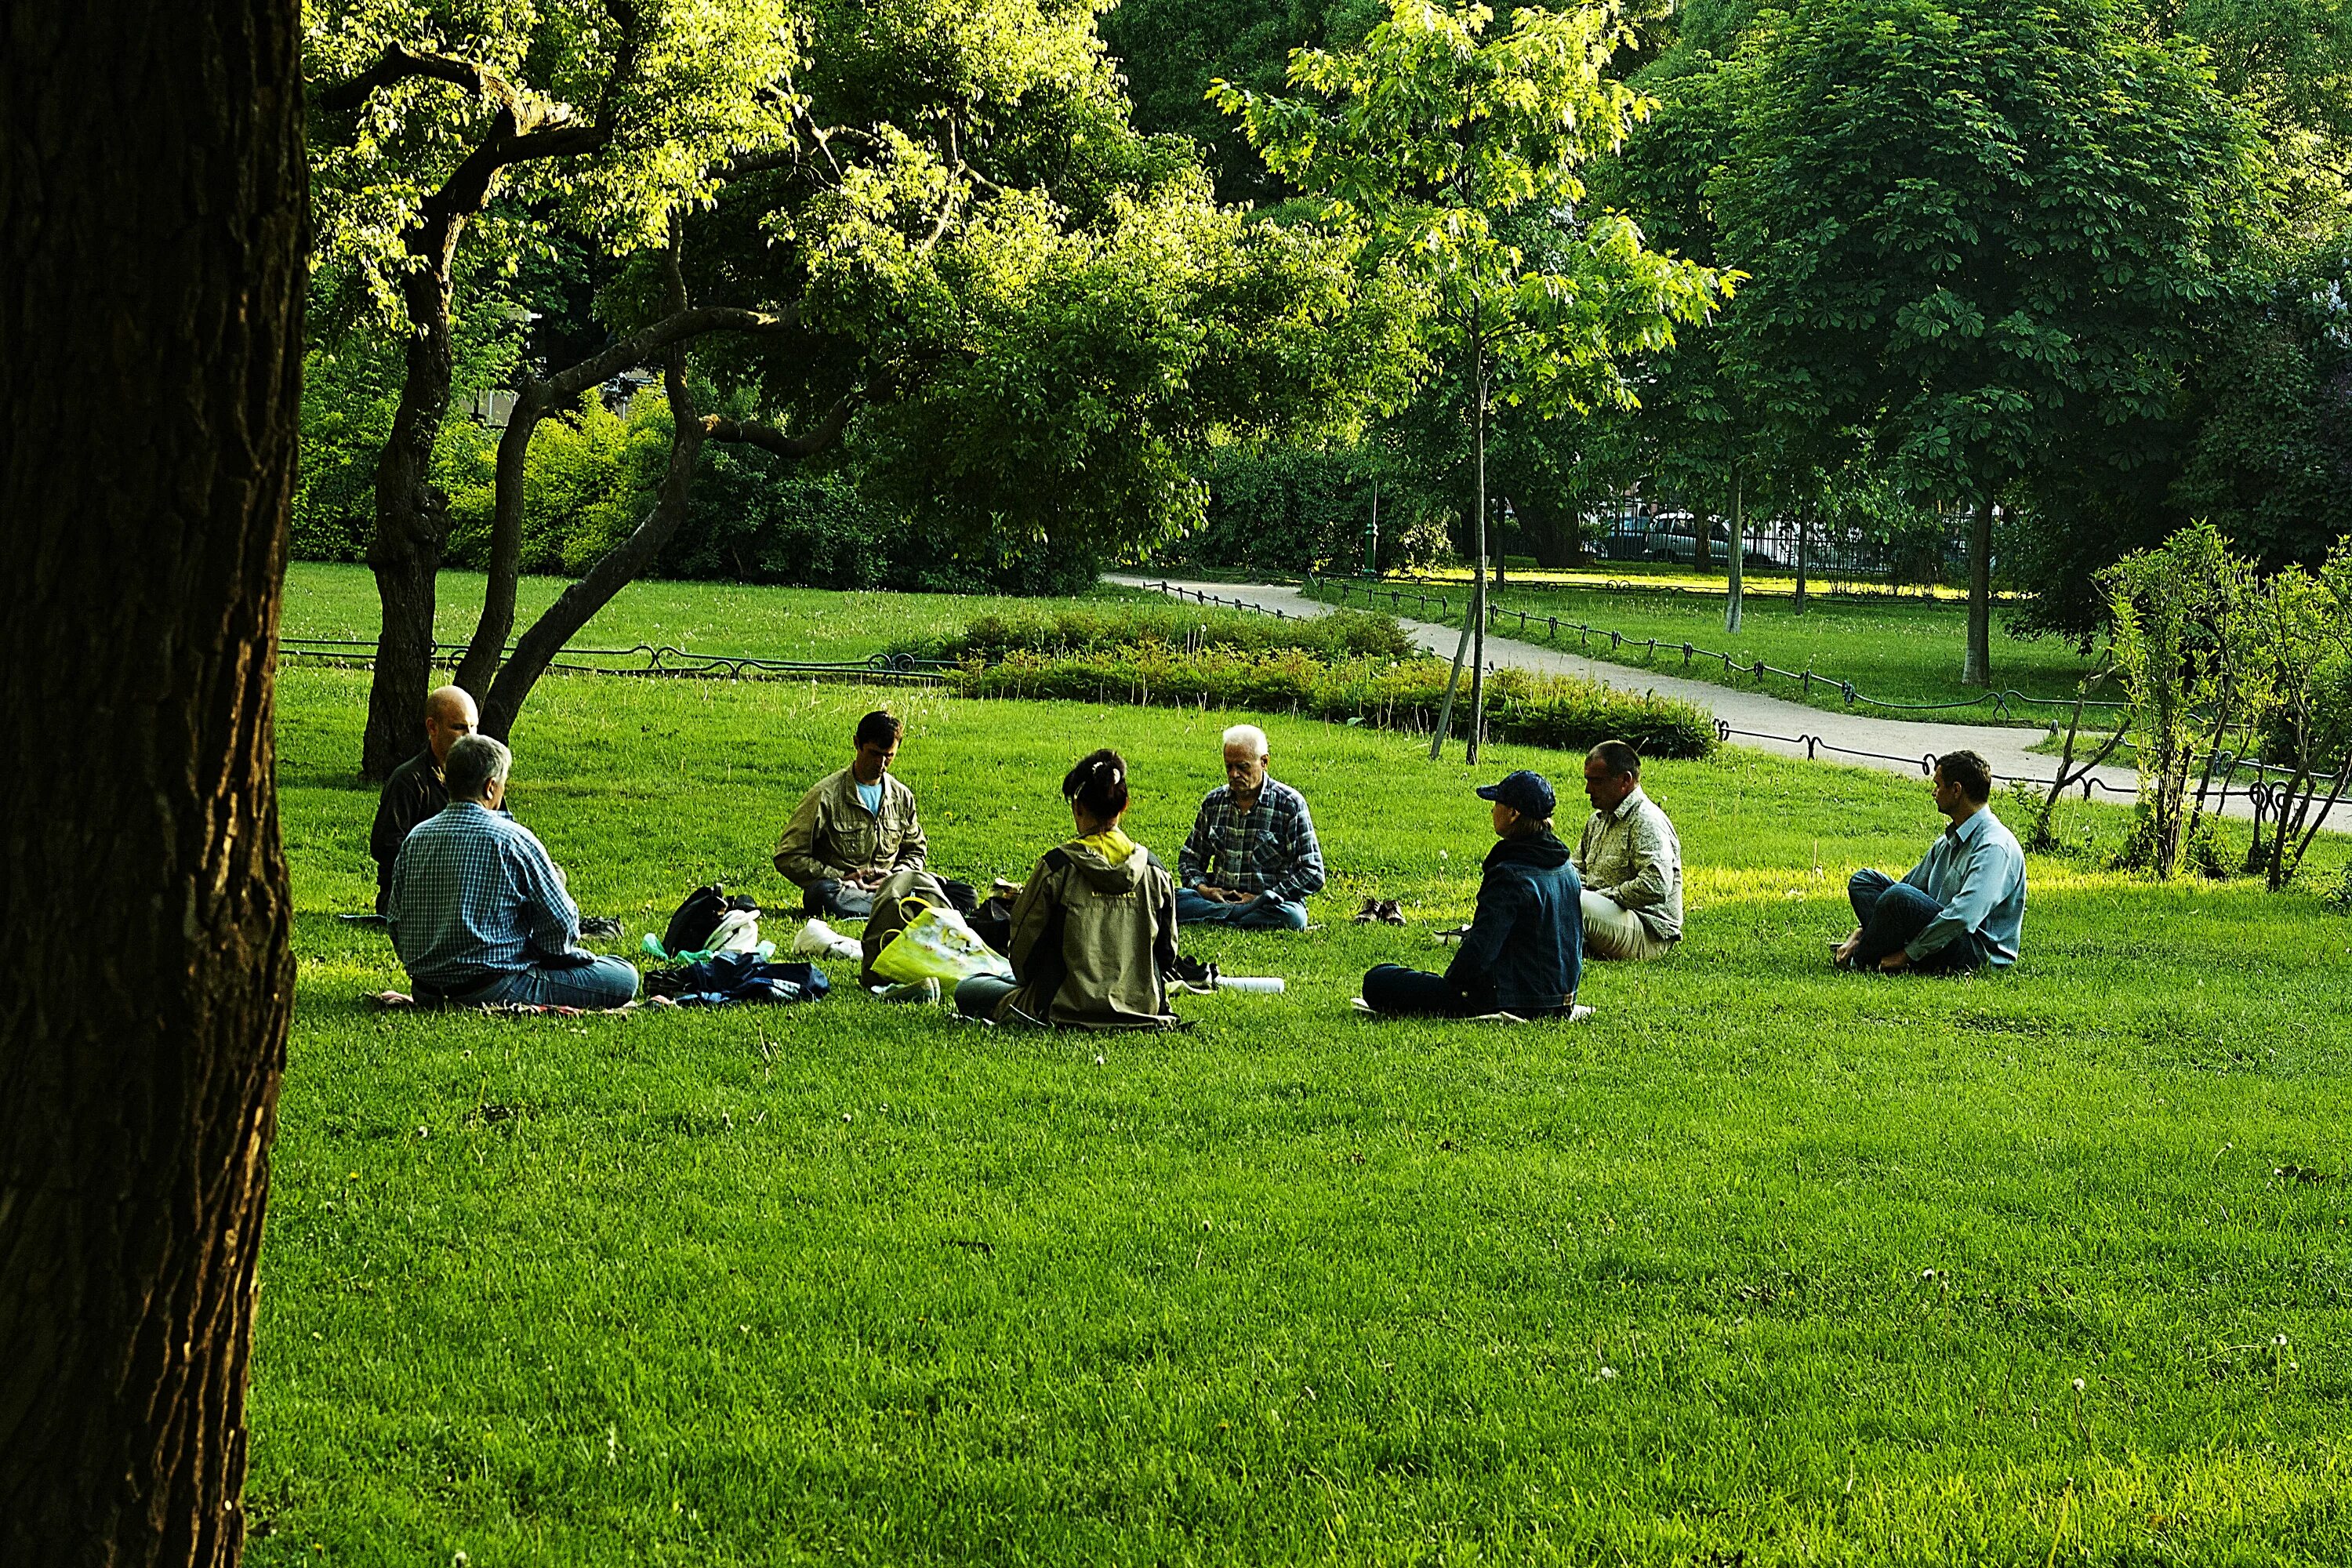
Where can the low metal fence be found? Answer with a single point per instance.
(660, 660)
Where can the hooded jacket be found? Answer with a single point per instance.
(1526, 945)
(1093, 931)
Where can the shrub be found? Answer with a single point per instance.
(1554, 710)
(1086, 628)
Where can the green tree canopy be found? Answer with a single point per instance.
(1976, 230)
(1457, 156)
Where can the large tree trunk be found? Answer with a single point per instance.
(411, 525)
(1976, 670)
(151, 390)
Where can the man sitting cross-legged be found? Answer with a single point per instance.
(1524, 952)
(1963, 906)
(853, 841)
(1252, 856)
(479, 913)
(415, 790)
(1630, 861)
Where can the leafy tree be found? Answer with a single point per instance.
(1976, 230)
(1016, 315)
(1444, 148)
(604, 116)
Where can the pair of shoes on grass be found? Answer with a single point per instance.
(923, 993)
(1384, 911)
(600, 926)
(1192, 976)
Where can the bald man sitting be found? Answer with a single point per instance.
(1253, 857)
(417, 789)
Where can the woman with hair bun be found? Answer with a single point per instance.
(1094, 930)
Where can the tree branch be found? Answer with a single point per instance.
(402, 64)
(823, 434)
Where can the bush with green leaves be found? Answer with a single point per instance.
(1554, 710)
(1086, 628)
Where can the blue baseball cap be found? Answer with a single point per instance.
(1526, 792)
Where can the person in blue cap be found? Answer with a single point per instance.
(1525, 950)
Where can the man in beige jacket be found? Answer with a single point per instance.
(855, 840)
(1630, 861)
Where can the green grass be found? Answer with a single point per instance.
(813, 624)
(1904, 650)
(852, 1283)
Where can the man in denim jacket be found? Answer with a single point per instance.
(1524, 952)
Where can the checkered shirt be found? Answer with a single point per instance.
(475, 897)
(1269, 848)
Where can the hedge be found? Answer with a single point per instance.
(1555, 710)
(1079, 629)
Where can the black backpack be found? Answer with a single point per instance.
(699, 915)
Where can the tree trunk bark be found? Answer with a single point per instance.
(1976, 670)
(412, 524)
(1702, 540)
(1804, 539)
(1738, 560)
(483, 656)
(1478, 567)
(150, 388)
(619, 566)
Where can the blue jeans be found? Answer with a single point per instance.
(1892, 913)
(605, 982)
(1264, 912)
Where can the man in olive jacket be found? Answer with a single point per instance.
(855, 839)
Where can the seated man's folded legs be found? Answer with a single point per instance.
(1891, 914)
(1393, 988)
(605, 982)
(1613, 932)
(1266, 912)
(837, 899)
(1194, 909)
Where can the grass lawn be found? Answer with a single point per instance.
(324, 600)
(1896, 649)
(1764, 1265)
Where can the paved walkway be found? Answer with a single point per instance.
(1767, 723)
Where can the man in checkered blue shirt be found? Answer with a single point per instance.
(1252, 859)
(479, 913)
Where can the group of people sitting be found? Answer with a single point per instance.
(480, 913)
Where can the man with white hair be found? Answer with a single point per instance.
(478, 912)
(415, 790)
(1252, 859)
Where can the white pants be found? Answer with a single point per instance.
(1611, 931)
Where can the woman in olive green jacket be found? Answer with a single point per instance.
(1094, 930)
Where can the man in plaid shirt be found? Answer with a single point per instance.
(479, 913)
(1251, 857)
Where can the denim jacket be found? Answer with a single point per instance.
(1525, 944)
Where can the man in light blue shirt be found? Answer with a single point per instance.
(479, 913)
(1961, 907)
